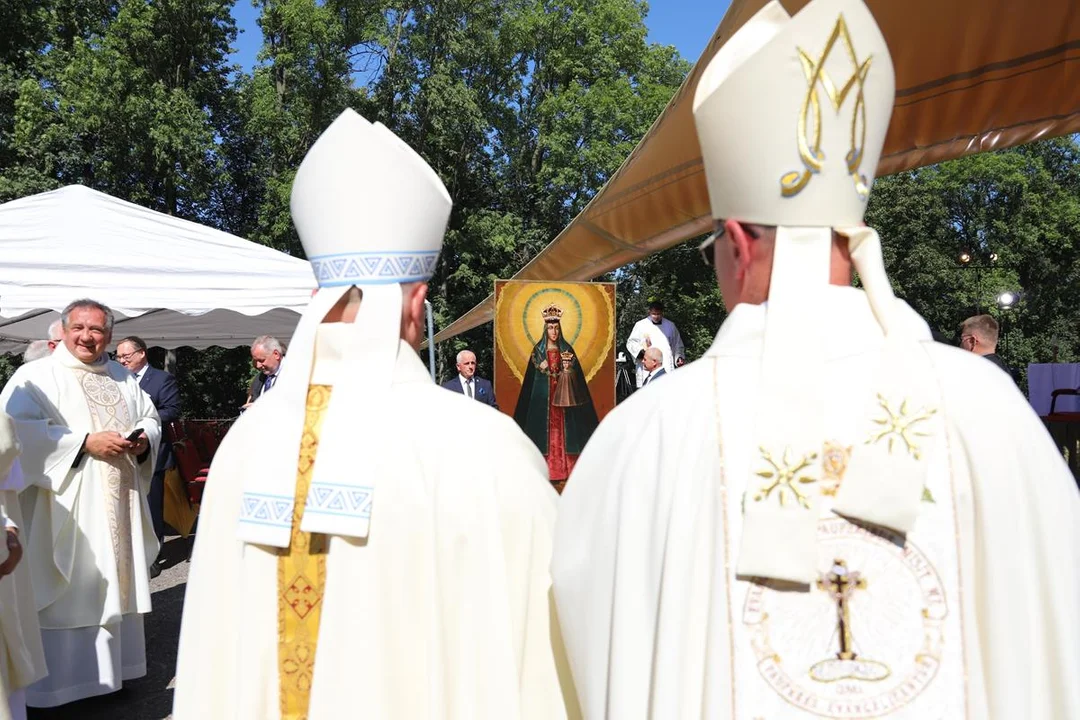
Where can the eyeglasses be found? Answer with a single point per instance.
(707, 250)
(708, 253)
(125, 358)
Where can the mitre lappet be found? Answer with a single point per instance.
(791, 115)
(371, 214)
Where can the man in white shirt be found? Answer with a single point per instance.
(468, 383)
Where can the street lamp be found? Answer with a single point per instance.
(1006, 301)
(965, 259)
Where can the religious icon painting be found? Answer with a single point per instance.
(555, 364)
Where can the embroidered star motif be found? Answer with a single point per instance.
(783, 477)
(900, 424)
(834, 461)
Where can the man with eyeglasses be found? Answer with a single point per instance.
(468, 383)
(165, 394)
(829, 513)
(89, 437)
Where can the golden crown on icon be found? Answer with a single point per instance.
(552, 312)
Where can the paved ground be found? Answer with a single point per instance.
(150, 697)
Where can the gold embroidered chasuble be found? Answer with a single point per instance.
(109, 411)
(301, 577)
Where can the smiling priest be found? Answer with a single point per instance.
(829, 515)
(354, 558)
(88, 434)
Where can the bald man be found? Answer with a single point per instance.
(653, 363)
(467, 383)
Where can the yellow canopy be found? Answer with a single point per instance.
(971, 76)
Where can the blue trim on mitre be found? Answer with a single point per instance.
(373, 268)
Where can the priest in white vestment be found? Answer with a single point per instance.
(22, 660)
(87, 433)
(353, 557)
(655, 330)
(828, 515)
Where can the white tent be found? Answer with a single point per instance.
(170, 281)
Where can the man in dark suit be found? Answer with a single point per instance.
(165, 394)
(267, 352)
(467, 383)
(653, 362)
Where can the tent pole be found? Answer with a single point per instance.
(431, 338)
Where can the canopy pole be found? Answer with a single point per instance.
(431, 338)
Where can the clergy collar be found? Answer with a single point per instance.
(332, 350)
(853, 328)
(66, 359)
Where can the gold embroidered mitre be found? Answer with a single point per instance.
(792, 114)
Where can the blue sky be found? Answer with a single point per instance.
(686, 24)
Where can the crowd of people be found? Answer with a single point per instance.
(826, 515)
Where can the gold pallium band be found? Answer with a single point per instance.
(792, 183)
(587, 320)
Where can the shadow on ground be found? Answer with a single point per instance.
(149, 697)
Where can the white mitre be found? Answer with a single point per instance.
(371, 214)
(792, 114)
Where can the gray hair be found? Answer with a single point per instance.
(269, 343)
(655, 353)
(461, 355)
(56, 330)
(37, 350)
(88, 304)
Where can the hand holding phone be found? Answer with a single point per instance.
(134, 436)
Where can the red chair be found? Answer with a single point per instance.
(189, 461)
(194, 444)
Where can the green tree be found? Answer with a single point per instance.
(301, 84)
(129, 108)
(1021, 206)
(526, 109)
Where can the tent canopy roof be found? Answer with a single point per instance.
(970, 77)
(171, 281)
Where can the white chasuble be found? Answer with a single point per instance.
(22, 660)
(88, 538)
(879, 634)
(971, 616)
(442, 612)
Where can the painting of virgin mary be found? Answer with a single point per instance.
(555, 408)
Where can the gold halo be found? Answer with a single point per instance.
(588, 321)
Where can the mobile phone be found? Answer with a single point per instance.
(134, 435)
